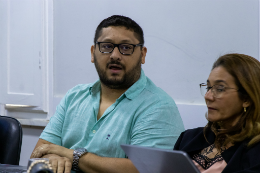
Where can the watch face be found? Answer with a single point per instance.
(82, 150)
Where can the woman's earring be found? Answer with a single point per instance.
(244, 109)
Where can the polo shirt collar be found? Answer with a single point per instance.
(95, 88)
(137, 87)
(131, 93)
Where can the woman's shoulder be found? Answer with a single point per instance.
(190, 138)
(193, 132)
(251, 150)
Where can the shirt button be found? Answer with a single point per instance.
(94, 131)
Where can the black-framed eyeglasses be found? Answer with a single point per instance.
(217, 90)
(125, 49)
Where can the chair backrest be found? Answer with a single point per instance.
(10, 140)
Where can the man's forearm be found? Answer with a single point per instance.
(92, 163)
(95, 164)
(89, 162)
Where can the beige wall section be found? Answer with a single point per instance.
(30, 137)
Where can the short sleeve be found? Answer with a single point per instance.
(158, 127)
(53, 131)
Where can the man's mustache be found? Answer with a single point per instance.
(115, 62)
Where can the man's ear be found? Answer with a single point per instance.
(92, 50)
(143, 54)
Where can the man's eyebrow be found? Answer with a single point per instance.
(122, 41)
(126, 41)
(106, 40)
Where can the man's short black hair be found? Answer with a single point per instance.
(122, 21)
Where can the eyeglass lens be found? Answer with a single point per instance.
(203, 89)
(217, 91)
(123, 48)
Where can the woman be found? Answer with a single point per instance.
(230, 142)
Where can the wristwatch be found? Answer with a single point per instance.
(77, 153)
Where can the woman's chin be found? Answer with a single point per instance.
(212, 119)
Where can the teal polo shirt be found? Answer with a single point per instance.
(144, 115)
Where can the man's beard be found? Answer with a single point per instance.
(127, 80)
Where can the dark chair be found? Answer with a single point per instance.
(10, 140)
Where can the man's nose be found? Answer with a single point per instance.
(116, 55)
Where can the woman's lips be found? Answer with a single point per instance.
(211, 108)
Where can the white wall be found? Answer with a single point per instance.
(183, 38)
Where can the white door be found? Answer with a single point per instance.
(22, 53)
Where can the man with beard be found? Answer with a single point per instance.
(122, 107)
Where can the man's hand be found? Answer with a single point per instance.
(41, 151)
(59, 164)
(45, 149)
(59, 157)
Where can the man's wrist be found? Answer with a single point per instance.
(77, 154)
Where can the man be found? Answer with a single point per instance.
(123, 107)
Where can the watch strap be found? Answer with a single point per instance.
(77, 153)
